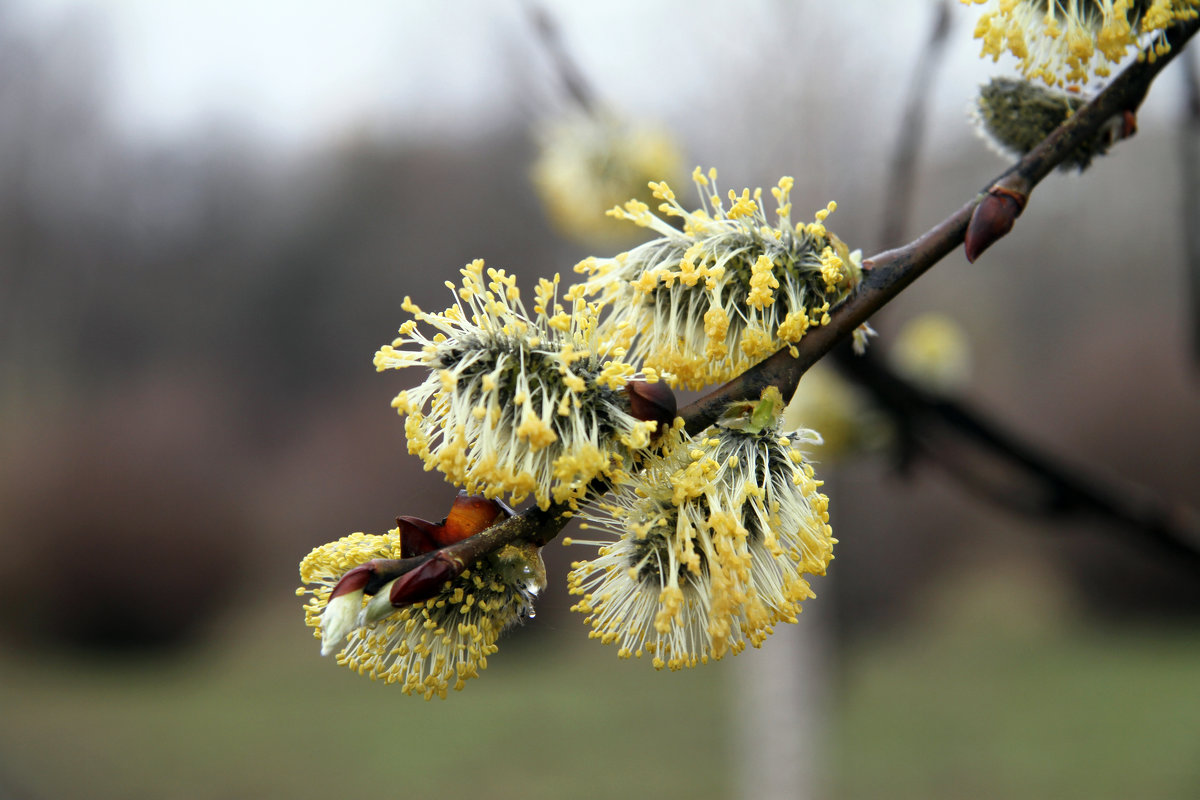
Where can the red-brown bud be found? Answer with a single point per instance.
(417, 536)
(1128, 124)
(353, 581)
(468, 516)
(652, 401)
(425, 581)
(992, 219)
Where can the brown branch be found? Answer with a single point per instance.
(995, 463)
(1043, 485)
(536, 525)
(887, 274)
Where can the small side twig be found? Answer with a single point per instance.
(887, 274)
(1039, 483)
(902, 171)
(568, 71)
(1017, 476)
(536, 525)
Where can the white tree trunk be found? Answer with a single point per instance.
(780, 713)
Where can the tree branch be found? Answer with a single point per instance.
(886, 275)
(1044, 486)
(889, 273)
(535, 525)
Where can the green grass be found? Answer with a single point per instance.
(1095, 717)
(266, 716)
(1003, 696)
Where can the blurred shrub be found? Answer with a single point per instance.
(121, 525)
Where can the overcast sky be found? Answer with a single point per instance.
(299, 73)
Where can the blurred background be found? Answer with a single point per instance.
(209, 215)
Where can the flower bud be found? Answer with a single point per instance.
(1014, 116)
(417, 536)
(341, 612)
(712, 543)
(1066, 44)
(652, 401)
(378, 607)
(515, 403)
(468, 516)
(425, 581)
(416, 585)
(587, 163)
(992, 219)
(426, 648)
(933, 352)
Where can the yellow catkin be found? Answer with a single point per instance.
(508, 394)
(431, 647)
(1075, 42)
(706, 303)
(707, 555)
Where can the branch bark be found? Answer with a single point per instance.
(892, 271)
(1037, 483)
(886, 275)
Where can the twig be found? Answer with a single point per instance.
(536, 525)
(572, 77)
(1048, 487)
(887, 274)
(1031, 481)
